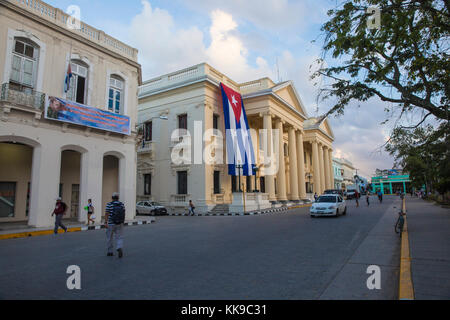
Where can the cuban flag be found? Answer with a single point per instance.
(239, 140)
(67, 80)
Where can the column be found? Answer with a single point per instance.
(127, 182)
(330, 157)
(281, 176)
(327, 168)
(321, 169)
(45, 174)
(269, 167)
(301, 166)
(293, 165)
(315, 156)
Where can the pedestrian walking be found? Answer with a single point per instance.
(380, 196)
(90, 212)
(367, 198)
(114, 219)
(357, 198)
(59, 211)
(191, 208)
(315, 196)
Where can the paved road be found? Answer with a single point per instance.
(274, 256)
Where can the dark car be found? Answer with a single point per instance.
(351, 194)
(334, 191)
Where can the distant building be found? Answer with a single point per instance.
(338, 173)
(390, 181)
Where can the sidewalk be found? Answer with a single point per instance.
(20, 230)
(429, 239)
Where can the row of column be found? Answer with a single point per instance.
(322, 164)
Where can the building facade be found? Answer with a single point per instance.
(391, 181)
(190, 100)
(42, 158)
(338, 173)
(348, 176)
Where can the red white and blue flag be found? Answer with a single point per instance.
(67, 79)
(239, 141)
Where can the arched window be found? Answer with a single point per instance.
(24, 62)
(115, 95)
(79, 83)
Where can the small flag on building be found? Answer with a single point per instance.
(68, 78)
(239, 141)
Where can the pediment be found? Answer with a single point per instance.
(288, 93)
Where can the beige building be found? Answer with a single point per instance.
(41, 159)
(190, 99)
(349, 171)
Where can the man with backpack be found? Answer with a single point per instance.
(60, 210)
(114, 219)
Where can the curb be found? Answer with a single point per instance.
(74, 229)
(251, 213)
(405, 288)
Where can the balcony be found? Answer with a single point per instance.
(26, 99)
(62, 19)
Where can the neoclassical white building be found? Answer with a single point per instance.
(40, 158)
(191, 99)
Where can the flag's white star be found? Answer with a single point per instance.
(233, 100)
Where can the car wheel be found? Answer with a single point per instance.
(345, 211)
(337, 212)
(152, 213)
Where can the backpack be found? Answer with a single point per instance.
(118, 214)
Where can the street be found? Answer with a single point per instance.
(273, 256)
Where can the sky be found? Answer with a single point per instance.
(245, 40)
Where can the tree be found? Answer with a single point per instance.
(405, 62)
(425, 154)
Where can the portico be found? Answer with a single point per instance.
(292, 150)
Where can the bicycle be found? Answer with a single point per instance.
(400, 223)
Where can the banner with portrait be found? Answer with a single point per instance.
(76, 113)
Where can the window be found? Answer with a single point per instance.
(8, 196)
(147, 184)
(182, 182)
(262, 184)
(78, 83)
(216, 182)
(24, 64)
(182, 121)
(215, 121)
(148, 127)
(115, 96)
(233, 184)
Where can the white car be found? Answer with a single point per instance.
(151, 208)
(328, 205)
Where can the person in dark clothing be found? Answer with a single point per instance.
(60, 210)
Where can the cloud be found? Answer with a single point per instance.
(162, 46)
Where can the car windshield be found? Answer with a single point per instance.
(326, 199)
(350, 191)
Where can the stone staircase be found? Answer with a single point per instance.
(220, 209)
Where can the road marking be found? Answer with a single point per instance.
(405, 288)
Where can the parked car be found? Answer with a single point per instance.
(334, 191)
(351, 194)
(150, 208)
(328, 205)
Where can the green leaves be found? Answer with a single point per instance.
(409, 54)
